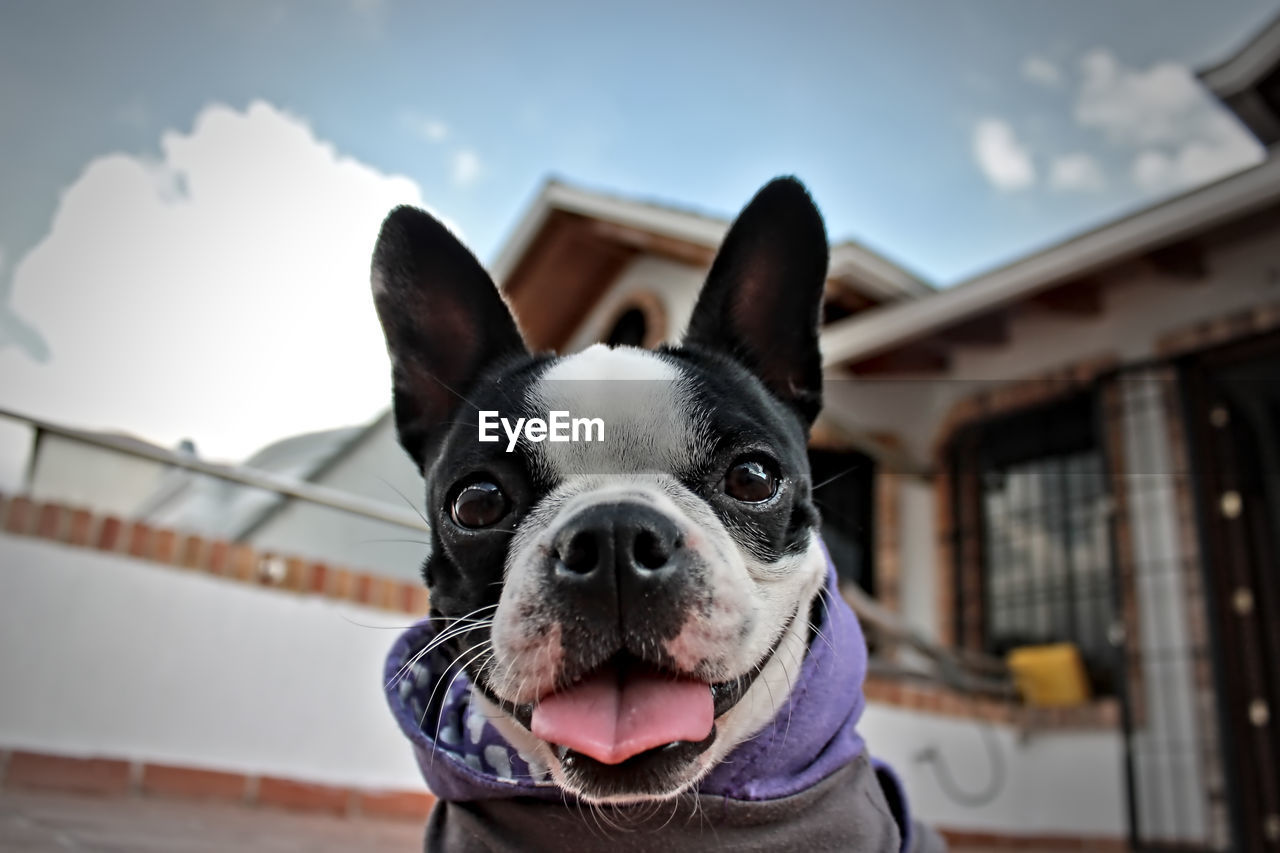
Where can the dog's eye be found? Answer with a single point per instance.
(478, 504)
(750, 480)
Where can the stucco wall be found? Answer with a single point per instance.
(1059, 783)
(107, 656)
(675, 284)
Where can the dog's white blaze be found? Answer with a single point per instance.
(650, 422)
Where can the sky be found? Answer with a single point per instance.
(189, 192)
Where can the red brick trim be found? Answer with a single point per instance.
(413, 805)
(163, 780)
(888, 540)
(958, 838)
(79, 527)
(1102, 714)
(23, 770)
(36, 771)
(303, 796)
(1005, 397)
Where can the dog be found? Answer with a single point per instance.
(644, 619)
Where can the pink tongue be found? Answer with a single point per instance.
(612, 721)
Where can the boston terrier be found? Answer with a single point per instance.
(635, 638)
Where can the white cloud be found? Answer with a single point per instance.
(430, 129)
(1152, 169)
(1039, 70)
(1078, 172)
(1180, 134)
(1002, 158)
(466, 167)
(1220, 150)
(220, 292)
(1160, 104)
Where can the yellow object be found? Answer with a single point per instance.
(1050, 676)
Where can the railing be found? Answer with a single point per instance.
(960, 670)
(309, 492)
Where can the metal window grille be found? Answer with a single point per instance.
(1039, 515)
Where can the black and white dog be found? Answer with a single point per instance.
(624, 612)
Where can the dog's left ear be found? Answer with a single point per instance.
(444, 320)
(762, 298)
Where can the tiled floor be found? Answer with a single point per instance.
(57, 823)
(44, 823)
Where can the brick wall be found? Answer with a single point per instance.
(33, 771)
(231, 561)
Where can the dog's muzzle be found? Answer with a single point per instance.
(621, 577)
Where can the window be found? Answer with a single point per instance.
(640, 321)
(844, 490)
(1034, 558)
(630, 329)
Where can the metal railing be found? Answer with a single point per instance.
(255, 478)
(961, 670)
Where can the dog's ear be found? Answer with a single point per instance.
(761, 299)
(444, 321)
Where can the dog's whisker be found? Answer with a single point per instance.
(432, 698)
(405, 498)
(837, 476)
(436, 642)
(380, 541)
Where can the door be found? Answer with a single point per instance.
(1234, 414)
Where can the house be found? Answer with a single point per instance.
(1079, 446)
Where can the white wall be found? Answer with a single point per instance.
(78, 474)
(674, 283)
(106, 656)
(918, 566)
(1059, 783)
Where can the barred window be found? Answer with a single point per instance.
(1032, 499)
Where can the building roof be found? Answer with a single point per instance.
(186, 500)
(885, 328)
(849, 260)
(1249, 83)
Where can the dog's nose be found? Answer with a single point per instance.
(612, 551)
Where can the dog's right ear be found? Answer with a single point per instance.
(444, 321)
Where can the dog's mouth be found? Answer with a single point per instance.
(629, 725)
(624, 708)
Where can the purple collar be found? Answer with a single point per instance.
(462, 756)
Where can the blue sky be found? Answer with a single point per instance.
(949, 135)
